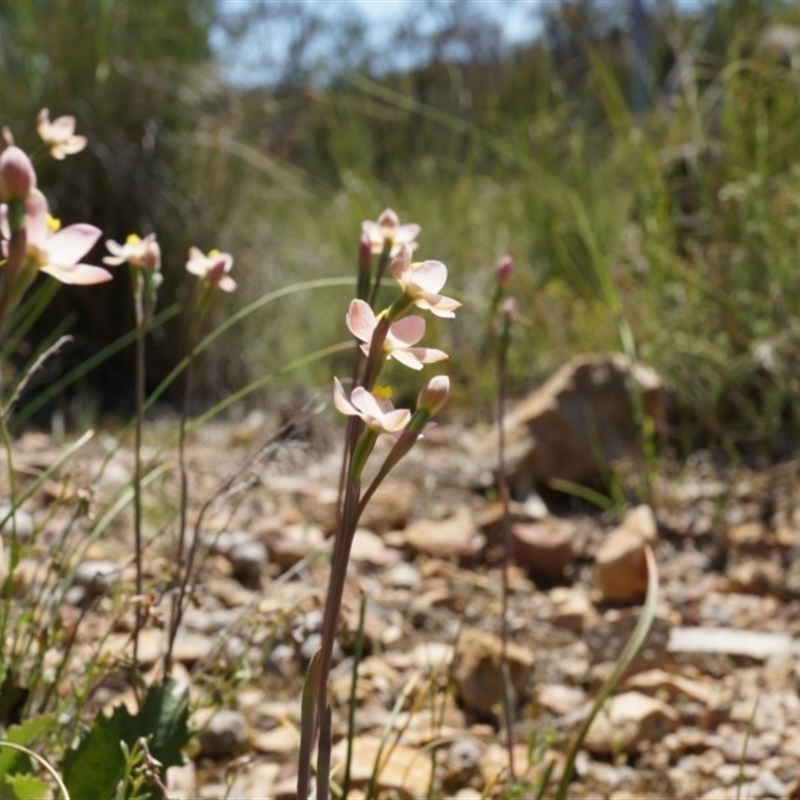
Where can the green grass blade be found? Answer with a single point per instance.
(633, 646)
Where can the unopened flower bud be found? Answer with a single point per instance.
(503, 271)
(509, 309)
(17, 177)
(152, 253)
(434, 395)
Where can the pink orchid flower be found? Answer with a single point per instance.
(143, 253)
(379, 415)
(59, 135)
(388, 228)
(55, 250)
(422, 282)
(212, 268)
(400, 338)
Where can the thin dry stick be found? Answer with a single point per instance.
(33, 369)
(225, 488)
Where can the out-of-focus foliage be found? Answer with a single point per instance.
(136, 76)
(641, 163)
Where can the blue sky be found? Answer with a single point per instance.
(519, 21)
(518, 17)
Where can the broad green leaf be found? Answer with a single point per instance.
(97, 764)
(12, 761)
(23, 787)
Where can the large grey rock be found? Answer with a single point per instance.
(576, 424)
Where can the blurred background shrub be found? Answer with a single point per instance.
(640, 160)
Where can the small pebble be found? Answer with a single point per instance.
(96, 577)
(225, 735)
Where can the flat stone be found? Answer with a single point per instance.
(453, 537)
(545, 548)
(573, 609)
(403, 772)
(293, 543)
(621, 566)
(478, 673)
(559, 699)
(628, 721)
(279, 741)
(657, 681)
(369, 548)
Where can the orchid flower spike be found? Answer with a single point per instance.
(379, 415)
(213, 268)
(52, 249)
(421, 283)
(399, 340)
(59, 135)
(143, 253)
(388, 230)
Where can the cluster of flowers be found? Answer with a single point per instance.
(394, 334)
(34, 241)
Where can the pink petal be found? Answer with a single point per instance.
(396, 420)
(62, 127)
(388, 219)
(361, 320)
(406, 331)
(73, 145)
(79, 274)
(407, 358)
(401, 264)
(429, 276)
(340, 400)
(36, 220)
(407, 233)
(429, 355)
(366, 403)
(70, 244)
(196, 265)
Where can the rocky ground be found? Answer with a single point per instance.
(709, 709)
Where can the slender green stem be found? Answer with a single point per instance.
(141, 333)
(333, 601)
(182, 576)
(351, 706)
(502, 484)
(12, 515)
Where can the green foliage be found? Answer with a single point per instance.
(24, 787)
(96, 766)
(16, 779)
